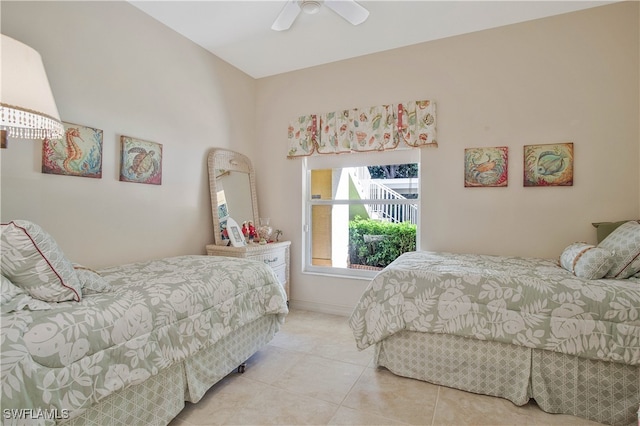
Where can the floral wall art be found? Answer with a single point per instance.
(486, 166)
(77, 153)
(548, 165)
(141, 161)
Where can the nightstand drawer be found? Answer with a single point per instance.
(273, 258)
(281, 273)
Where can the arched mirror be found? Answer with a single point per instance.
(232, 184)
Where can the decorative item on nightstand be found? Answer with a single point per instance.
(235, 234)
(264, 230)
(249, 231)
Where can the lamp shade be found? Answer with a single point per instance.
(27, 107)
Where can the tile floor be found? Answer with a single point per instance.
(312, 373)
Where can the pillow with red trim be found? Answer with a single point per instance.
(32, 260)
(624, 242)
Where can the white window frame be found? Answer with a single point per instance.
(405, 156)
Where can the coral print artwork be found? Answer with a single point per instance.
(486, 166)
(78, 153)
(548, 165)
(141, 161)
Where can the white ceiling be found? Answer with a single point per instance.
(240, 32)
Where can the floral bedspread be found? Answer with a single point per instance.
(160, 312)
(521, 301)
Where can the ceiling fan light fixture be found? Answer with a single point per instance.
(310, 7)
(350, 10)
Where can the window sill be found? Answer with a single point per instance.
(345, 273)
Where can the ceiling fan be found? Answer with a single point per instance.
(348, 9)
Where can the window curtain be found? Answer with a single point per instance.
(377, 128)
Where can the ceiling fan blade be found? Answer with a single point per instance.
(349, 10)
(286, 17)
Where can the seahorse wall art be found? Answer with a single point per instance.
(548, 165)
(77, 153)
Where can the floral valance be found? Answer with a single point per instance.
(378, 128)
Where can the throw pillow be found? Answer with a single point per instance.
(32, 260)
(586, 261)
(624, 242)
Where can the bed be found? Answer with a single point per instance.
(516, 328)
(127, 344)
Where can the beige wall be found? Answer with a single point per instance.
(112, 67)
(572, 78)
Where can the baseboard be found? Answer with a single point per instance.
(324, 308)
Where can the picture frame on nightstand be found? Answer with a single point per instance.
(235, 233)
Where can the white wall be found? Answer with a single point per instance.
(112, 67)
(570, 78)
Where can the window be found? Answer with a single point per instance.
(361, 211)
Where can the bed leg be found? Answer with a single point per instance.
(242, 367)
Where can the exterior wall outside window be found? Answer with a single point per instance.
(334, 197)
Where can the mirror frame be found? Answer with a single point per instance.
(232, 161)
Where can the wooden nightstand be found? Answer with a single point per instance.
(276, 255)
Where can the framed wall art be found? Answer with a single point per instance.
(77, 153)
(485, 167)
(140, 161)
(548, 165)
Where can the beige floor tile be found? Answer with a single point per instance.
(270, 363)
(322, 378)
(349, 416)
(294, 341)
(325, 335)
(380, 392)
(268, 405)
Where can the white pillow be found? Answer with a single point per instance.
(91, 281)
(624, 242)
(586, 261)
(32, 260)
